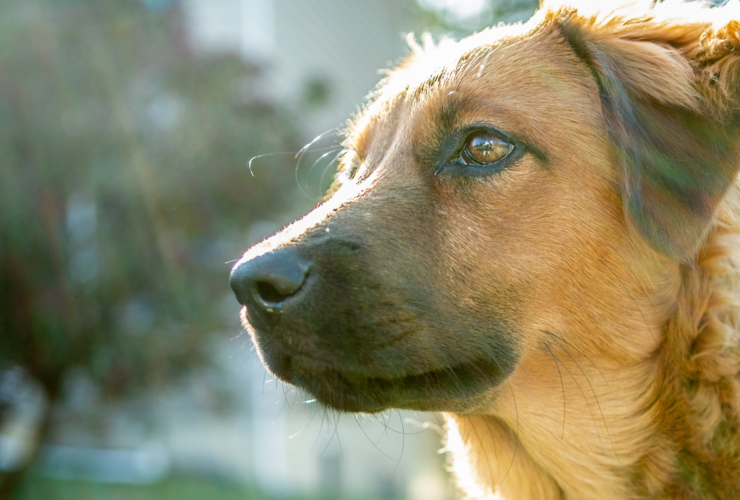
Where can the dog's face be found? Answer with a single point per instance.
(481, 215)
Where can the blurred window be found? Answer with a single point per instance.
(246, 27)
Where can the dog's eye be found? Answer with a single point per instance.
(484, 148)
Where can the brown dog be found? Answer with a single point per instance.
(532, 233)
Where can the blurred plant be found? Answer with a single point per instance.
(462, 17)
(123, 159)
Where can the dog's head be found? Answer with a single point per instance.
(526, 186)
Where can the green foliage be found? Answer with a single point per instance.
(447, 15)
(123, 159)
(176, 488)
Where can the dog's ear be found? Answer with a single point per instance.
(670, 96)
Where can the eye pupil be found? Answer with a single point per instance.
(485, 148)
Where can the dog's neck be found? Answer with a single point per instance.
(579, 443)
(663, 428)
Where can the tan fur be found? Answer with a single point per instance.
(619, 296)
(677, 405)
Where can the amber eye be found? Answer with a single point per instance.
(484, 148)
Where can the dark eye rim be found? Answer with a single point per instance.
(454, 163)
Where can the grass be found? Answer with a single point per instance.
(176, 488)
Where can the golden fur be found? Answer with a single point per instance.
(668, 422)
(601, 261)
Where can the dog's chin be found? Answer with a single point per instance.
(449, 389)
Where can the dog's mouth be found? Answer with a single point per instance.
(367, 341)
(449, 388)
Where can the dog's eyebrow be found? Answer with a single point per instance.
(448, 122)
(447, 116)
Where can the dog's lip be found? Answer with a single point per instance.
(427, 391)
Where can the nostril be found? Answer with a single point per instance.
(268, 293)
(271, 279)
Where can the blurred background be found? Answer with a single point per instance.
(126, 192)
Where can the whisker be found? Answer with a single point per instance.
(318, 435)
(375, 445)
(251, 352)
(318, 160)
(295, 397)
(403, 441)
(328, 166)
(562, 387)
(292, 153)
(389, 428)
(249, 165)
(339, 441)
(311, 415)
(424, 426)
(660, 348)
(516, 443)
(302, 152)
(331, 438)
(485, 453)
(485, 61)
(597, 403)
(582, 353)
(493, 440)
(329, 152)
(516, 409)
(285, 399)
(317, 139)
(593, 417)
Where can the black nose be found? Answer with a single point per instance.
(270, 279)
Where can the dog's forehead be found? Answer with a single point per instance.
(520, 76)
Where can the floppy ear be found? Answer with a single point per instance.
(669, 92)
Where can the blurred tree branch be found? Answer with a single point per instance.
(124, 165)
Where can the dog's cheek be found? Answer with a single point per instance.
(514, 248)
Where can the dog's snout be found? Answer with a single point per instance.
(269, 280)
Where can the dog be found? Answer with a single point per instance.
(534, 232)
